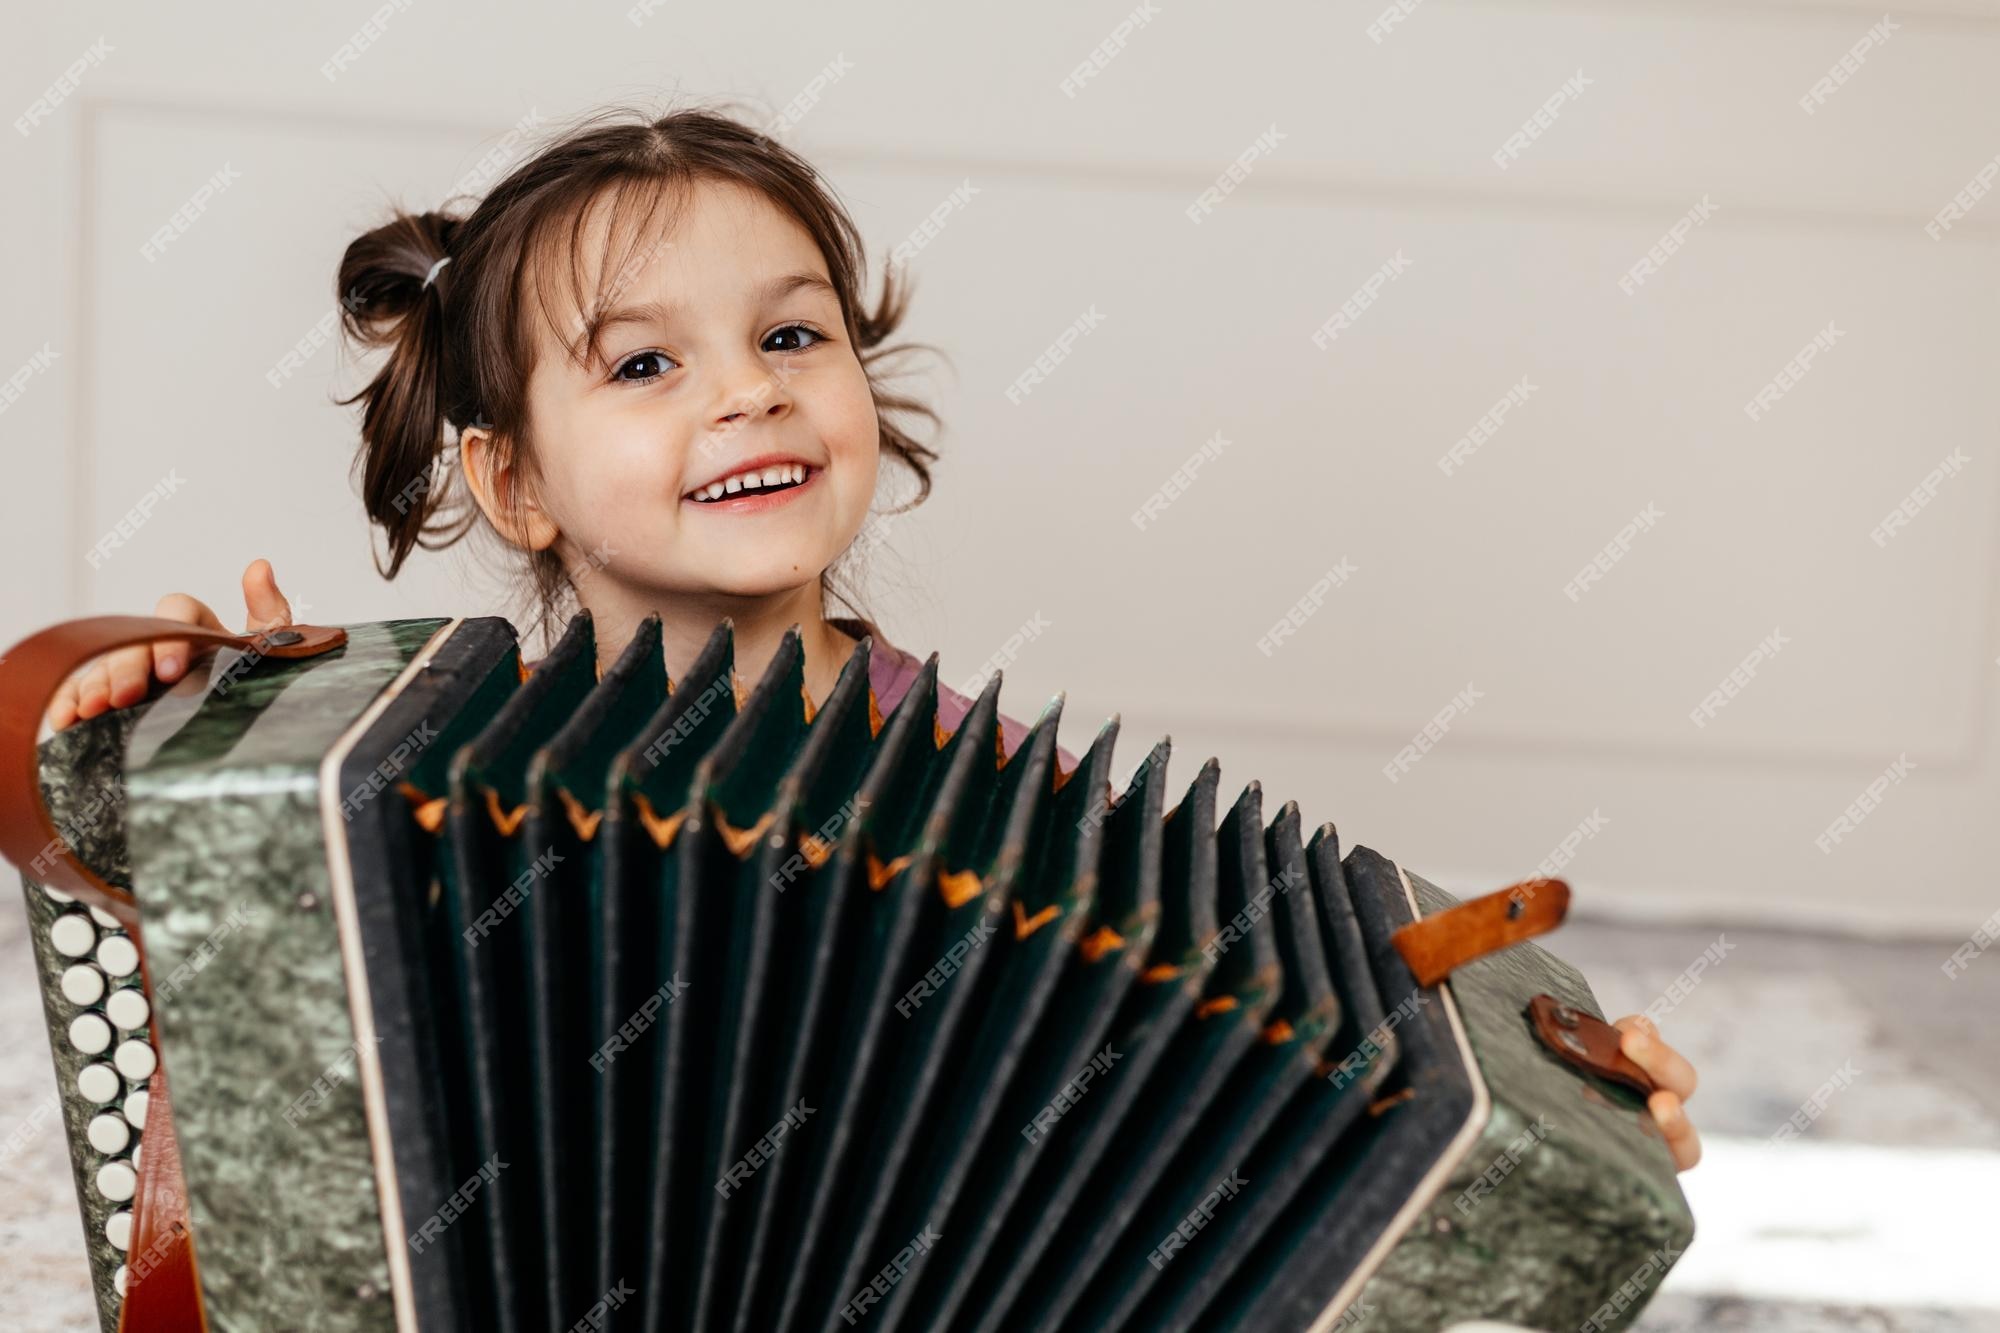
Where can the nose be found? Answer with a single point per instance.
(749, 409)
(751, 391)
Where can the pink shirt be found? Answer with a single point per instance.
(891, 672)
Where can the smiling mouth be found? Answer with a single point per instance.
(773, 481)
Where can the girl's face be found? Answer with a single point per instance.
(724, 353)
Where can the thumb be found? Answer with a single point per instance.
(265, 605)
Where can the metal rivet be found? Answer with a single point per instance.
(1566, 1016)
(284, 637)
(1574, 1042)
(1514, 909)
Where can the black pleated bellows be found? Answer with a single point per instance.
(724, 1017)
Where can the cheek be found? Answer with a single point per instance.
(612, 473)
(851, 430)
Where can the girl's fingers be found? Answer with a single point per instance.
(169, 658)
(120, 678)
(62, 708)
(267, 607)
(1668, 1067)
(1671, 1116)
(1676, 1079)
(1636, 1023)
(93, 690)
(128, 672)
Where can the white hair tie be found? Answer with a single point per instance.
(434, 270)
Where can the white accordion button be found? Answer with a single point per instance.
(118, 956)
(119, 1279)
(117, 1181)
(118, 1229)
(73, 934)
(128, 1008)
(135, 1060)
(109, 1133)
(57, 895)
(105, 919)
(89, 1033)
(135, 1156)
(99, 1083)
(82, 984)
(135, 1109)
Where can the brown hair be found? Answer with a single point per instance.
(460, 350)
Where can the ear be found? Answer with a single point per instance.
(492, 481)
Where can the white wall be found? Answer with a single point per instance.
(1386, 149)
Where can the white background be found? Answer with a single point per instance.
(1387, 148)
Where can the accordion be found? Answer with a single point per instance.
(567, 999)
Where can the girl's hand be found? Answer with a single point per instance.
(120, 679)
(1675, 1077)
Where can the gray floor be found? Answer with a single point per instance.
(1765, 1027)
(1783, 1010)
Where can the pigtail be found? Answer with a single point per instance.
(386, 303)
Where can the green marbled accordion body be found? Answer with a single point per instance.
(542, 1002)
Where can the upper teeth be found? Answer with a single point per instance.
(776, 475)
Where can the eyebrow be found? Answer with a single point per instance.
(658, 312)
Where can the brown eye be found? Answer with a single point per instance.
(642, 366)
(791, 336)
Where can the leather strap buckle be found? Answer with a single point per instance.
(1587, 1042)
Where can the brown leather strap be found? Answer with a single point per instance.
(162, 1282)
(1451, 938)
(31, 673)
(1586, 1041)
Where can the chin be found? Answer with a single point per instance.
(763, 571)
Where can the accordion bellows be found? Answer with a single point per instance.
(539, 1002)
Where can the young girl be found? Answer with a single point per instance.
(650, 344)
